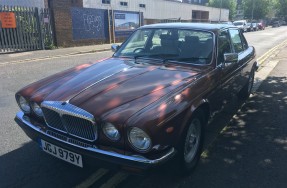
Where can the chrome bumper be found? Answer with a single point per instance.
(136, 161)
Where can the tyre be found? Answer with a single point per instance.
(247, 89)
(191, 143)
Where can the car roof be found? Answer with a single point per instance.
(197, 26)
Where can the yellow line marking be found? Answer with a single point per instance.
(267, 54)
(115, 180)
(47, 58)
(93, 178)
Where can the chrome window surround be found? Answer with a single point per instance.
(65, 108)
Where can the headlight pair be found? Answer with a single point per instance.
(25, 106)
(139, 139)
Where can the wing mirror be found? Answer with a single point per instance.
(115, 47)
(230, 58)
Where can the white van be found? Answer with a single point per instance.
(241, 24)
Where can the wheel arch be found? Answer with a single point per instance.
(203, 107)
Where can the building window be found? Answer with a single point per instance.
(142, 5)
(123, 3)
(106, 1)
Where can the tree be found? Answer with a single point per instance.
(256, 9)
(281, 7)
(227, 4)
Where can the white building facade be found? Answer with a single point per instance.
(162, 9)
(23, 3)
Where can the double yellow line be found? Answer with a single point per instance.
(267, 54)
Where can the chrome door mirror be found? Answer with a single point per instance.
(115, 47)
(230, 58)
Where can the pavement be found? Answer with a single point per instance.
(55, 53)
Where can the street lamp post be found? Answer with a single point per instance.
(220, 11)
(252, 10)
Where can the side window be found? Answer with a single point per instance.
(244, 42)
(236, 40)
(156, 40)
(224, 46)
(139, 40)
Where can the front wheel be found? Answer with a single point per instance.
(192, 143)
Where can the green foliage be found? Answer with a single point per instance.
(227, 4)
(260, 8)
(281, 7)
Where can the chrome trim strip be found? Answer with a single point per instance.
(135, 158)
(67, 139)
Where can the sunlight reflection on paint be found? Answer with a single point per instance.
(162, 107)
(177, 97)
(114, 102)
(82, 66)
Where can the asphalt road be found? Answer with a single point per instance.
(250, 152)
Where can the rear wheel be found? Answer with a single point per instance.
(247, 89)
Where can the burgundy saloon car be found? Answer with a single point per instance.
(148, 103)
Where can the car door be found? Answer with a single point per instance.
(223, 73)
(245, 55)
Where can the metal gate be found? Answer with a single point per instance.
(24, 29)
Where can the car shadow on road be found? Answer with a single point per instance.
(250, 152)
(28, 166)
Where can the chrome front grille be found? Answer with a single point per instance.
(70, 140)
(53, 119)
(69, 119)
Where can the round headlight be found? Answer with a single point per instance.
(37, 109)
(111, 131)
(139, 139)
(24, 104)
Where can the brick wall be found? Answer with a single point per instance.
(63, 23)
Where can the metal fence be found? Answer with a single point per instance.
(32, 29)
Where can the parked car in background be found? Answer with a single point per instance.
(229, 23)
(276, 24)
(261, 26)
(254, 26)
(241, 24)
(249, 28)
(151, 100)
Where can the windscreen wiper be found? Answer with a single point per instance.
(183, 60)
(156, 57)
